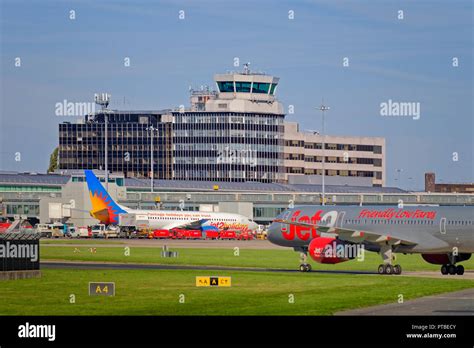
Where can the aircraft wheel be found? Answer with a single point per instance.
(460, 270)
(397, 269)
(381, 269)
(388, 269)
(452, 269)
(308, 268)
(444, 269)
(303, 267)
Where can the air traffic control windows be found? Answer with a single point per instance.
(272, 89)
(242, 87)
(246, 87)
(226, 86)
(260, 87)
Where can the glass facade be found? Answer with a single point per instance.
(228, 146)
(82, 146)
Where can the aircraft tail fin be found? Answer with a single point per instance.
(104, 208)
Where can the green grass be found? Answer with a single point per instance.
(156, 292)
(284, 259)
(81, 241)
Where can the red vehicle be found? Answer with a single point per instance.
(4, 226)
(193, 234)
(212, 234)
(161, 234)
(245, 236)
(228, 235)
(178, 233)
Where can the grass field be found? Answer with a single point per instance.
(156, 292)
(270, 258)
(82, 241)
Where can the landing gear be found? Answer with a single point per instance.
(452, 269)
(304, 266)
(387, 268)
(397, 269)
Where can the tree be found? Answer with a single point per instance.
(53, 160)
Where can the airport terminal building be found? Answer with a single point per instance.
(37, 195)
(235, 134)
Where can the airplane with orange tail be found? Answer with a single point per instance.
(107, 211)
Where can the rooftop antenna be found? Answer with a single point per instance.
(102, 99)
(246, 68)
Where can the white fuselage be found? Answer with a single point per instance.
(168, 219)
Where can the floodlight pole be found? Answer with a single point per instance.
(323, 108)
(106, 151)
(151, 129)
(103, 99)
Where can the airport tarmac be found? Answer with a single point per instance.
(149, 266)
(154, 266)
(175, 243)
(452, 303)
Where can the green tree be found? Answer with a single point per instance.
(53, 160)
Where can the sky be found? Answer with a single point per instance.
(407, 59)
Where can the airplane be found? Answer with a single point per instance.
(105, 209)
(442, 235)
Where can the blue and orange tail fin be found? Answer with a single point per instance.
(104, 207)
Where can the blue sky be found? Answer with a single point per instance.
(406, 60)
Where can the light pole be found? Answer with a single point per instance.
(323, 108)
(151, 129)
(103, 99)
(106, 151)
(399, 171)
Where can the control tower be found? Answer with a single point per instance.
(246, 92)
(232, 134)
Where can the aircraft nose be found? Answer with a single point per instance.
(273, 232)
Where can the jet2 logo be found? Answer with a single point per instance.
(305, 232)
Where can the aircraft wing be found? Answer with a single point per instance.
(358, 236)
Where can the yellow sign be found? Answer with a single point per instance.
(100, 288)
(213, 281)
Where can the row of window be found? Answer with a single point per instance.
(333, 146)
(246, 87)
(188, 218)
(388, 222)
(227, 133)
(405, 222)
(227, 118)
(15, 188)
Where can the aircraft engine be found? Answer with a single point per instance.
(331, 250)
(443, 259)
